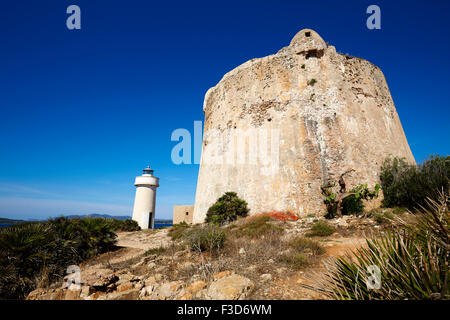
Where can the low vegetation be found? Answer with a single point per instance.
(252, 241)
(312, 82)
(302, 252)
(296, 260)
(39, 253)
(208, 238)
(303, 244)
(383, 217)
(412, 258)
(157, 251)
(176, 231)
(226, 209)
(278, 215)
(257, 227)
(321, 229)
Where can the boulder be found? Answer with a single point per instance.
(196, 286)
(86, 291)
(125, 286)
(146, 291)
(98, 278)
(169, 289)
(186, 296)
(186, 266)
(132, 294)
(222, 274)
(266, 277)
(232, 287)
(72, 294)
(42, 294)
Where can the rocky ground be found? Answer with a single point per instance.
(148, 265)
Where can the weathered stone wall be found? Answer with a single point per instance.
(324, 113)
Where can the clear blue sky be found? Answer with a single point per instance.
(83, 111)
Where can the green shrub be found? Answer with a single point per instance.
(413, 261)
(321, 229)
(32, 250)
(226, 209)
(23, 253)
(124, 225)
(209, 238)
(343, 202)
(409, 186)
(257, 227)
(352, 205)
(87, 236)
(296, 260)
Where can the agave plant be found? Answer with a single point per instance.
(413, 261)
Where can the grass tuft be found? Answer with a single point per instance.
(208, 238)
(303, 244)
(257, 227)
(296, 260)
(383, 217)
(321, 229)
(302, 252)
(157, 251)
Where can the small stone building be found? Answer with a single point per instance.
(183, 214)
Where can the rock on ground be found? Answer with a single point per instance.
(232, 287)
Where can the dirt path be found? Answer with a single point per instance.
(293, 287)
(131, 247)
(144, 240)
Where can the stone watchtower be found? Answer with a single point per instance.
(322, 113)
(144, 202)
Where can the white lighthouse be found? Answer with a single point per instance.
(144, 202)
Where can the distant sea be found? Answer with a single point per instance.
(157, 225)
(161, 225)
